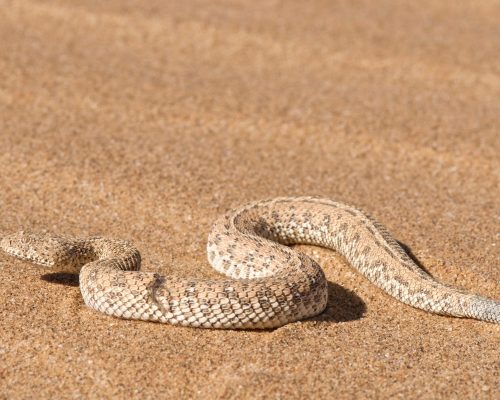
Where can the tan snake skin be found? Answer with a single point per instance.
(269, 284)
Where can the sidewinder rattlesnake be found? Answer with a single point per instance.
(269, 283)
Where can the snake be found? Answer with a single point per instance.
(267, 282)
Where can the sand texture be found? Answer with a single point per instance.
(147, 121)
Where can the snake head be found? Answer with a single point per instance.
(40, 249)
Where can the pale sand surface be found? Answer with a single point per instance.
(145, 122)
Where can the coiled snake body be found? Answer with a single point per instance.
(268, 285)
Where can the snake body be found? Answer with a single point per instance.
(268, 284)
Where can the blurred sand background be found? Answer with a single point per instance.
(145, 121)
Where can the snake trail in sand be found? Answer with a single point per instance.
(269, 283)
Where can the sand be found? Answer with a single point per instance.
(147, 121)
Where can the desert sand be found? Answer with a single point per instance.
(147, 121)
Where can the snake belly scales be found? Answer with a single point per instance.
(268, 284)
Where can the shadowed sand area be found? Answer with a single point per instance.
(147, 121)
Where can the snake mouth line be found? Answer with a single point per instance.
(21, 256)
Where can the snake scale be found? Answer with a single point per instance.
(268, 284)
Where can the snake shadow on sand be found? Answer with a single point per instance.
(61, 278)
